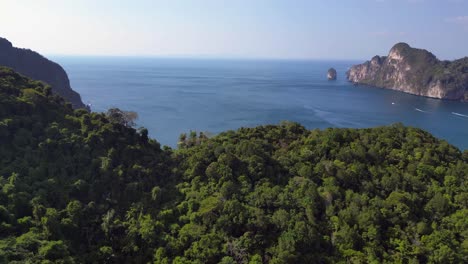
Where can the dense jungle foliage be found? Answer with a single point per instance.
(80, 187)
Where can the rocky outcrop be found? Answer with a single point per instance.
(414, 71)
(34, 65)
(331, 75)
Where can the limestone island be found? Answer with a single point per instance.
(331, 75)
(414, 71)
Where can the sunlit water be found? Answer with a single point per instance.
(173, 96)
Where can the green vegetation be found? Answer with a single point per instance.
(80, 187)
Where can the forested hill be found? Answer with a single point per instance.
(80, 187)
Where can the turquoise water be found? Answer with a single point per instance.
(173, 96)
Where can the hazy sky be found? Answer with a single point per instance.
(304, 29)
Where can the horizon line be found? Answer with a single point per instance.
(207, 57)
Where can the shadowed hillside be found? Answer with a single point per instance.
(34, 65)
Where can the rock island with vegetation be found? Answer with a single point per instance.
(414, 71)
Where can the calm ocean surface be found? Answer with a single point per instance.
(173, 96)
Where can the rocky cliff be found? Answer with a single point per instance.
(34, 65)
(414, 71)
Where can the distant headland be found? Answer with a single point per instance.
(36, 66)
(414, 71)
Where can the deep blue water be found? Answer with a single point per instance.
(173, 96)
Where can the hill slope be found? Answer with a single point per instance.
(78, 187)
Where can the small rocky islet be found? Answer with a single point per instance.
(331, 74)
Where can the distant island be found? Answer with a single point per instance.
(414, 71)
(36, 66)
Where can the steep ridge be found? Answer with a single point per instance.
(34, 65)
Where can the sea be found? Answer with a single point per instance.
(179, 95)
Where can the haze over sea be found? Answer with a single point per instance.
(173, 96)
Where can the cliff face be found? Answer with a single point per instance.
(414, 71)
(34, 65)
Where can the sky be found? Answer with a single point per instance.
(277, 29)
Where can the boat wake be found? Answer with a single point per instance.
(422, 111)
(333, 118)
(458, 114)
